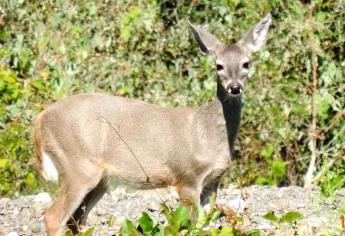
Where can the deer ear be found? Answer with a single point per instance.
(255, 38)
(207, 42)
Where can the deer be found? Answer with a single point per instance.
(90, 141)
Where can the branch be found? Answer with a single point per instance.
(313, 131)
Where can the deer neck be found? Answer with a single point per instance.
(222, 118)
(231, 111)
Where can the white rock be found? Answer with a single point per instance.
(237, 204)
(43, 198)
(12, 234)
(15, 211)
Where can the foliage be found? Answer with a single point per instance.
(87, 232)
(289, 217)
(179, 222)
(143, 49)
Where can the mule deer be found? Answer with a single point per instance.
(90, 139)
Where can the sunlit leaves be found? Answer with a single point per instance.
(289, 217)
(145, 50)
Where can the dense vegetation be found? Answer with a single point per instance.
(294, 100)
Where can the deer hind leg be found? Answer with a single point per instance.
(70, 198)
(80, 214)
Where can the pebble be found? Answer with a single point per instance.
(36, 228)
(25, 228)
(39, 209)
(26, 215)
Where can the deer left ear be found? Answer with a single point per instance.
(207, 42)
(255, 38)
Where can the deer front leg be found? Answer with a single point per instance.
(190, 197)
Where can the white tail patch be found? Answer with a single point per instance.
(49, 171)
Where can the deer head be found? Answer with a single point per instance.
(232, 60)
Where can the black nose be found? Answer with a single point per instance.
(235, 88)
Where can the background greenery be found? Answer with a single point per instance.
(143, 49)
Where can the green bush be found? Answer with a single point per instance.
(144, 50)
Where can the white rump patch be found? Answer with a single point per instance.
(49, 171)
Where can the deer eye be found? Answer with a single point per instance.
(246, 65)
(219, 67)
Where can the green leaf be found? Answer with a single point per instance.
(128, 228)
(3, 163)
(202, 217)
(226, 231)
(158, 230)
(146, 223)
(180, 217)
(212, 202)
(68, 233)
(30, 179)
(24, 56)
(111, 220)
(88, 232)
(267, 151)
(264, 181)
(37, 84)
(278, 168)
(215, 216)
(167, 212)
(291, 217)
(271, 216)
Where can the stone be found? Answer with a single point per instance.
(25, 228)
(35, 228)
(26, 215)
(39, 209)
(12, 234)
(42, 198)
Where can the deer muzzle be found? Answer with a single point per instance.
(235, 89)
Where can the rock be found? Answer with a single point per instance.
(15, 211)
(21, 202)
(12, 234)
(35, 228)
(25, 228)
(3, 202)
(42, 198)
(26, 215)
(237, 204)
(39, 209)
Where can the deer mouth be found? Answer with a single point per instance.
(235, 95)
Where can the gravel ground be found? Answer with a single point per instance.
(24, 215)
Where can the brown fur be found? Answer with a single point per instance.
(95, 140)
(37, 144)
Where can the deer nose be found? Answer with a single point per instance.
(235, 88)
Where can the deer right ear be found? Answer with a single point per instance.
(207, 42)
(255, 38)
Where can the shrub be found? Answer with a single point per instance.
(144, 50)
